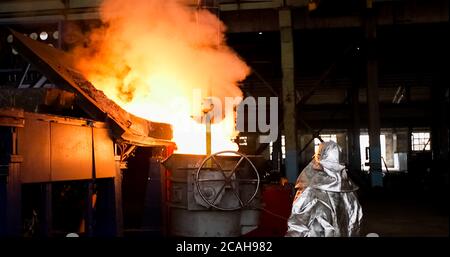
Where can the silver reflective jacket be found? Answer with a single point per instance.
(325, 204)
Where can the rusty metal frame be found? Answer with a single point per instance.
(58, 67)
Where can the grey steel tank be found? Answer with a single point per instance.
(211, 196)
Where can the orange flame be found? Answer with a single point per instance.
(151, 55)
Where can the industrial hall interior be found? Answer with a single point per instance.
(224, 118)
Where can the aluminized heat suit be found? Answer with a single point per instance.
(326, 204)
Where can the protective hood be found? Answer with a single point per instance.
(325, 204)
(325, 172)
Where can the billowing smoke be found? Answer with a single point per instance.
(149, 54)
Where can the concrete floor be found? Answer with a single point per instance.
(405, 214)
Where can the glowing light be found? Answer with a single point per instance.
(34, 35)
(152, 68)
(43, 36)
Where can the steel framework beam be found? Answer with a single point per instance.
(289, 94)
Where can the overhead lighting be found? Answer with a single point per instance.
(312, 5)
(43, 35)
(56, 34)
(9, 38)
(34, 35)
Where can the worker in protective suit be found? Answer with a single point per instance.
(325, 204)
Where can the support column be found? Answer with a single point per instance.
(341, 140)
(439, 125)
(14, 198)
(355, 131)
(13, 188)
(288, 88)
(439, 136)
(357, 72)
(118, 198)
(277, 154)
(376, 177)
